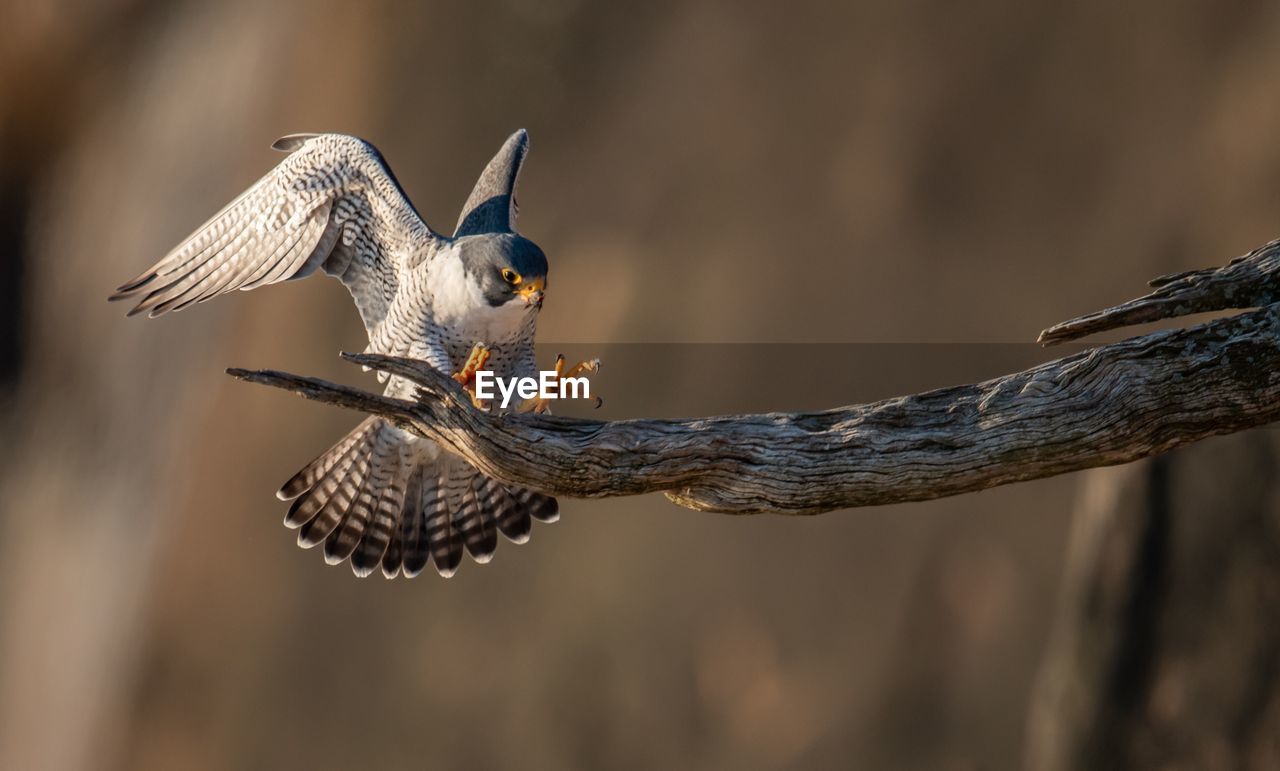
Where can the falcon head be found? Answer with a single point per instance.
(509, 268)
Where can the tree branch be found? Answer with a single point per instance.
(1249, 281)
(1108, 405)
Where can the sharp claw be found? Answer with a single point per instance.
(476, 360)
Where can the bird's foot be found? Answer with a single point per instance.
(466, 376)
(578, 371)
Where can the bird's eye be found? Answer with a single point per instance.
(510, 276)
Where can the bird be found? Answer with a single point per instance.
(382, 497)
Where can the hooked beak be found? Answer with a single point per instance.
(532, 292)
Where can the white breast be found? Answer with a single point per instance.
(458, 305)
(454, 296)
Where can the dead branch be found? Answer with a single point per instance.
(1108, 405)
(1249, 281)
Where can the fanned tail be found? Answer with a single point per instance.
(382, 497)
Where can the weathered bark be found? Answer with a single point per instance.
(1112, 404)
(1165, 649)
(1250, 280)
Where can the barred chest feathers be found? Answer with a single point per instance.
(438, 299)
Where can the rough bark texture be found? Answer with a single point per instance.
(1165, 649)
(1112, 404)
(1250, 280)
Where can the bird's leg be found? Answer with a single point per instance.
(538, 405)
(466, 376)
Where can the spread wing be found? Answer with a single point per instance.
(492, 207)
(332, 204)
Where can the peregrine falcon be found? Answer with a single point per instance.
(383, 497)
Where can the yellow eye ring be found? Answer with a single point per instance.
(510, 276)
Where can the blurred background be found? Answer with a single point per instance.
(747, 206)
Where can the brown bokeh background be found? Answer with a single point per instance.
(922, 186)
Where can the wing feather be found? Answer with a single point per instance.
(332, 203)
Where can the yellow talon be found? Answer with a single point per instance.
(466, 376)
(538, 405)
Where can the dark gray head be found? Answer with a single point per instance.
(507, 266)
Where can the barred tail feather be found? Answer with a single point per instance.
(443, 538)
(385, 547)
(381, 497)
(334, 513)
(385, 504)
(308, 502)
(513, 522)
(344, 538)
(476, 523)
(541, 507)
(415, 549)
(317, 471)
(407, 542)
